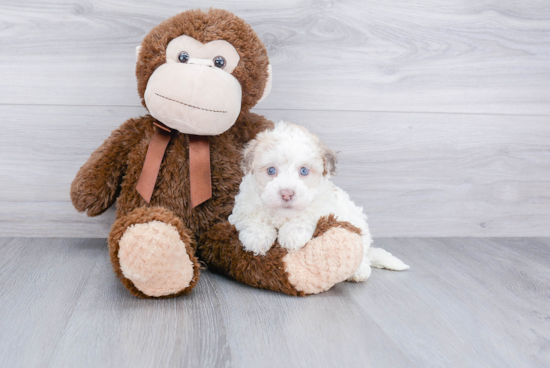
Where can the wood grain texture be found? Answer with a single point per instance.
(111, 328)
(41, 282)
(468, 297)
(327, 330)
(437, 56)
(414, 174)
(55, 219)
(440, 108)
(464, 303)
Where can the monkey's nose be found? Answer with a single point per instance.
(286, 194)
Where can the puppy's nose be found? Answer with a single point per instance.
(286, 194)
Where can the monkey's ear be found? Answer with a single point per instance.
(138, 48)
(267, 88)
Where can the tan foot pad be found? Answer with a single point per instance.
(325, 261)
(153, 256)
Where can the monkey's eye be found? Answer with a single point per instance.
(304, 171)
(271, 171)
(219, 62)
(183, 57)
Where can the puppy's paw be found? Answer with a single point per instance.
(295, 236)
(258, 239)
(362, 273)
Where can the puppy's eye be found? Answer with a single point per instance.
(271, 171)
(304, 171)
(183, 57)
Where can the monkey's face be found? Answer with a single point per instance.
(194, 92)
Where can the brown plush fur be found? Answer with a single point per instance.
(330, 221)
(221, 249)
(142, 216)
(112, 171)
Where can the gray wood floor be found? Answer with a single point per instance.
(465, 302)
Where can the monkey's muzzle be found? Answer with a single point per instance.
(194, 99)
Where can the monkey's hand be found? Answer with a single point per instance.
(96, 185)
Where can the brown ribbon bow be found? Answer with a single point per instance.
(199, 165)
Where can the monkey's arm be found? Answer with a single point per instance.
(97, 183)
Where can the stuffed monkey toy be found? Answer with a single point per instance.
(174, 173)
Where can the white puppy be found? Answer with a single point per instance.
(286, 190)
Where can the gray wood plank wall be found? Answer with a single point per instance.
(440, 109)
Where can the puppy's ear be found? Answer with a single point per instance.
(248, 156)
(329, 160)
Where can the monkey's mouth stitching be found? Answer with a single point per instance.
(195, 107)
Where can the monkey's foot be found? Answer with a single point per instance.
(332, 256)
(151, 254)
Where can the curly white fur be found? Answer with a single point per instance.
(288, 204)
